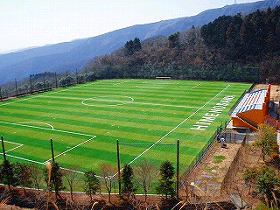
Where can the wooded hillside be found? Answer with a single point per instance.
(232, 48)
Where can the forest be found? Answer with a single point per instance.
(231, 48)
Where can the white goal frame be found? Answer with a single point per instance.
(163, 78)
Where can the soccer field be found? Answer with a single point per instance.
(146, 116)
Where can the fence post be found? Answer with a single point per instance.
(44, 89)
(52, 150)
(119, 167)
(76, 77)
(3, 148)
(178, 171)
(16, 87)
(1, 97)
(30, 81)
(55, 80)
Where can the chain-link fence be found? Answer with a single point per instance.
(43, 82)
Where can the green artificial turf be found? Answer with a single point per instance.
(84, 121)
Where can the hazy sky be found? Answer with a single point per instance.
(26, 23)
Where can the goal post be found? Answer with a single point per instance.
(163, 78)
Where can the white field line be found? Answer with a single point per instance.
(15, 148)
(36, 96)
(129, 102)
(47, 129)
(33, 161)
(177, 126)
(9, 142)
(119, 83)
(16, 101)
(71, 149)
(21, 158)
(39, 123)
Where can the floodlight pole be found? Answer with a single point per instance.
(52, 150)
(1, 97)
(177, 167)
(119, 167)
(76, 76)
(30, 81)
(3, 148)
(55, 80)
(16, 87)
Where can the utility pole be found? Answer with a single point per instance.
(76, 77)
(119, 167)
(3, 148)
(30, 81)
(16, 87)
(52, 150)
(55, 80)
(177, 167)
(1, 97)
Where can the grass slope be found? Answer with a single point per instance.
(86, 120)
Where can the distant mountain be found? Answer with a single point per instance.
(73, 55)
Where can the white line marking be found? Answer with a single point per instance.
(177, 126)
(99, 98)
(71, 149)
(39, 123)
(9, 142)
(47, 129)
(118, 83)
(14, 148)
(16, 101)
(21, 158)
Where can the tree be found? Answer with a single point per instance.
(22, 174)
(56, 179)
(127, 180)
(146, 172)
(266, 183)
(132, 46)
(174, 40)
(166, 185)
(36, 175)
(108, 172)
(66, 81)
(7, 174)
(91, 183)
(266, 140)
(71, 177)
(250, 177)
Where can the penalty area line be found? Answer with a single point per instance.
(47, 129)
(68, 150)
(171, 131)
(25, 159)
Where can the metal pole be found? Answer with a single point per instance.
(178, 166)
(3, 148)
(119, 167)
(76, 77)
(44, 81)
(1, 97)
(55, 80)
(52, 150)
(30, 80)
(16, 87)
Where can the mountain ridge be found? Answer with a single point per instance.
(74, 54)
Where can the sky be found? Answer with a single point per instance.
(28, 23)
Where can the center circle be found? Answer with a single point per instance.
(107, 101)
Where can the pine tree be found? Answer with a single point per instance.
(91, 183)
(127, 180)
(166, 185)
